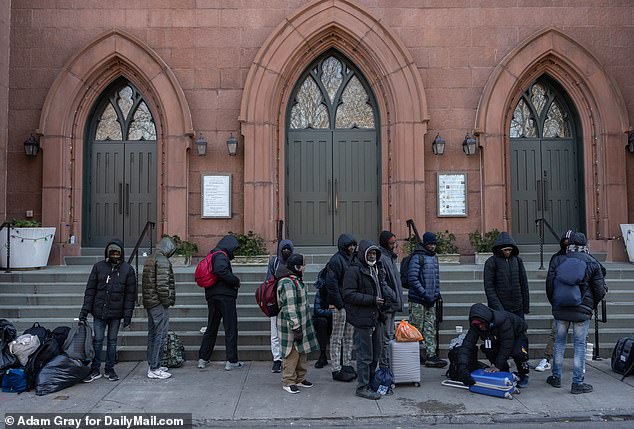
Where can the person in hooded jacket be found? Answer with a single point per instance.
(365, 294)
(322, 321)
(285, 249)
(574, 285)
(503, 336)
(159, 294)
(221, 304)
(294, 323)
(341, 337)
(110, 296)
(387, 242)
(423, 276)
(505, 280)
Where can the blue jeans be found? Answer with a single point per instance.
(111, 345)
(158, 319)
(579, 333)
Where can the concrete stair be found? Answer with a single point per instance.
(53, 297)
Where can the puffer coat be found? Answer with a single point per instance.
(158, 277)
(423, 276)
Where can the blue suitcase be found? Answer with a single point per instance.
(498, 384)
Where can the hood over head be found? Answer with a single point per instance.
(166, 246)
(362, 252)
(114, 244)
(282, 245)
(228, 243)
(481, 312)
(505, 240)
(344, 241)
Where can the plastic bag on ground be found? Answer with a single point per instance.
(59, 373)
(406, 332)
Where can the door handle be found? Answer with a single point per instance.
(539, 195)
(127, 198)
(336, 197)
(329, 196)
(120, 198)
(545, 192)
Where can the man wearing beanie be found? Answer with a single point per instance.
(423, 276)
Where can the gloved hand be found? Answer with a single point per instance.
(126, 322)
(298, 335)
(83, 318)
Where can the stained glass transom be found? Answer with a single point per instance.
(523, 124)
(538, 97)
(556, 124)
(125, 117)
(332, 93)
(540, 114)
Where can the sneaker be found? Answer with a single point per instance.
(435, 362)
(342, 376)
(366, 393)
(322, 361)
(202, 363)
(523, 381)
(158, 374)
(111, 375)
(349, 370)
(389, 392)
(543, 365)
(163, 368)
(95, 374)
(291, 389)
(230, 366)
(581, 388)
(554, 381)
(277, 366)
(305, 383)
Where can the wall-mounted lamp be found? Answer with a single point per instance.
(201, 145)
(31, 146)
(469, 144)
(232, 145)
(630, 142)
(438, 145)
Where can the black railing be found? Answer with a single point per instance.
(135, 252)
(8, 225)
(539, 224)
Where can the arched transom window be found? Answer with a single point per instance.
(540, 113)
(332, 94)
(125, 117)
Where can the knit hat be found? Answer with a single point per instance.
(429, 238)
(294, 260)
(578, 239)
(113, 246)
(384, 238)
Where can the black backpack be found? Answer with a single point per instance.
(39, 331)
(403, 270)
(44, 353)
(60, 334)
(622, 361)
(320, 282)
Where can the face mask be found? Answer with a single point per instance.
(373, 263)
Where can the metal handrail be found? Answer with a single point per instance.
(135, 252)
(539, 223)
(8, 225)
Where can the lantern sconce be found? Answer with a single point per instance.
(201, 145)
(630, 142)
(469, 144)
(438, 145)
(232, 145)
(31, 146)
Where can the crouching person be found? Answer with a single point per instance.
(503, 335)
(294, 324)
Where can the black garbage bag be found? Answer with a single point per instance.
(59, 373)
(7, 334)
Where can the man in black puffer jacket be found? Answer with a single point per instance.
(110, 295)
(221, 304)
(504, 336)
(505, 280)
(574, 285)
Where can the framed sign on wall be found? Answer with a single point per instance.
(452, 194)
(215, 196)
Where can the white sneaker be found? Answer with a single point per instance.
(202, 363)
(231, 366)
(543, 365)
(158, 374)
(163, 368)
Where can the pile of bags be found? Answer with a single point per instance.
(44, 360)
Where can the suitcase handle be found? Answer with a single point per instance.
(452, 383)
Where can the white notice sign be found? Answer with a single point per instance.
(216, 196)
(452, 194)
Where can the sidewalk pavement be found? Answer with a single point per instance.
(253, 393)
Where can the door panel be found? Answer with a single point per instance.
(525, 165)
(140, 189)
(106, 191)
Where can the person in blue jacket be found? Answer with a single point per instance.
(322, 321)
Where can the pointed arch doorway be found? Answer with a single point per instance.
(546, 163)
(332, 155)
(120, 174)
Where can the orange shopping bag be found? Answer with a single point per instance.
(406, 333)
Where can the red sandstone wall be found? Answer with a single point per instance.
(5, 20)
(210, 45)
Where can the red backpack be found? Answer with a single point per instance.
(204, 274)
(266, 296)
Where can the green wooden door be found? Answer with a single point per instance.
(332, 156)
(545, 165)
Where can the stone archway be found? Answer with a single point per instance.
(394, 79)
(62, 125)
(603, 118)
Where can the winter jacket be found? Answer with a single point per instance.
(110, 290)
(276, 261)
(392, 278)
(423, 276)
(362, 284)
(592, 288)
(319, 310)
(228, 283)
(294, 314)
(337, 267)
(158, 277)
(505, 281)
(504, 329)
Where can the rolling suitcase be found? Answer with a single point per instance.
(499, 384)
(405, 362)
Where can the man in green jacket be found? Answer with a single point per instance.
(159, 295)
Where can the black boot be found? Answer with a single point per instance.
(322, 361)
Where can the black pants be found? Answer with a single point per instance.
(519, 355)
(368, 343)
(323, 329)
(221, 307)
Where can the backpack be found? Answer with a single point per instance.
(60, 334)
(567, 283)
(403, 270)
(204, 274)
(320, 282)
(44, 353)
(14, 380)
(382, 380)
(174, 351)
(78, 343)
(41, 332)
(23, 346)
(622, 361)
